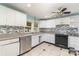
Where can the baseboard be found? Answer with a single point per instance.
(24, 52)
(55, 45)
(38, 44)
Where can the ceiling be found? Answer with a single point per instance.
(42, 10)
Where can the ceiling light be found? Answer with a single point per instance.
(29, 5)
(45, 16)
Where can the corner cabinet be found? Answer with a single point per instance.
(48, 38)
(9, 47)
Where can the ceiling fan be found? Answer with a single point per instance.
(62, 11)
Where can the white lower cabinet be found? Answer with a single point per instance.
(48, 38)
(35, 40)
(9, 47)
(43, 37)
(52, 38)
(73, 42)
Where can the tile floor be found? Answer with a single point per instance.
(46, 49)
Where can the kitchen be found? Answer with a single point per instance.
(23, 29)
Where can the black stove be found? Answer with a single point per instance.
(61, 40)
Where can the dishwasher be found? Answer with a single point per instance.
(25, 44)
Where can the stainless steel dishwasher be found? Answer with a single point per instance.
(25, 44)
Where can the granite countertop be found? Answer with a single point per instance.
(69, 34)
(17, 35)
(13, 35)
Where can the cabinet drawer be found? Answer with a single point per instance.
(9, 50)
(9, 41)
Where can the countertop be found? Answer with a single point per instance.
(17, 35)
(13, 35)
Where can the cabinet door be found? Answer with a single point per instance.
(2, 15)
(9, 50)
(9, 47)
(73, 42)
(35, 40)
(20, 19)
(42, 24)
(65, 20)
(43, 37)
(48, 38)
(74, 21)
(77, 43)
(52, 38)
(10, 17)
(47, 24)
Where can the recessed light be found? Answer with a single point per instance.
(29, 5)
(45, 16)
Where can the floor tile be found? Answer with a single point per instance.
(46, 49)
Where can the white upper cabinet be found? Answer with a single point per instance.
(53, 22)
(65, 20)
(74, 21)
(2, 15)
(12, 17)
(47, 24)
(20, 19)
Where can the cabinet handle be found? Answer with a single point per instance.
(9, 43)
